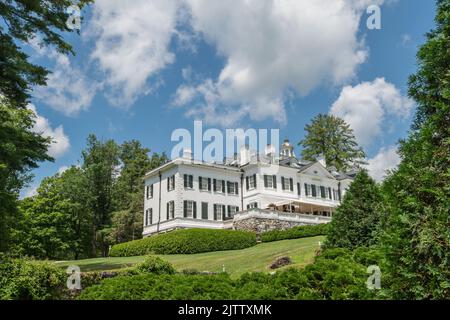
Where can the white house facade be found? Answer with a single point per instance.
(241, 192)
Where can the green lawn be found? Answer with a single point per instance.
(236, 262)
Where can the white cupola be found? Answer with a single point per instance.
(287, 150)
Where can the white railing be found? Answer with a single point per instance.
(283, 216)
(179, 223)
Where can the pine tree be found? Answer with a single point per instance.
(356, 221)
(417, 239)
(332, 137)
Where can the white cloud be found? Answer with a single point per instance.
(366, 106)
(386, 159)
(60, 141)
(271, 47)
(68, 90)
(132, 41)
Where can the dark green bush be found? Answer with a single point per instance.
(30, 280)
(186, 241)
(295, 232)
(161, 287)
(155, 265)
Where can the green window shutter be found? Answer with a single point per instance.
(168, 211)
(266, 184)
(291, 181)
(254, 178)
(151, 191)
(209, 184)
(168, 183)
(185, 209)
(236, 188)
(200, 183)
(228, 186)
(214, 185)
(282, 183)
(274, 178)
(313, 189)
(215, 212)
(223, 186)
(246, 182)
(223, 211)
(194, 208)
(185, 180)
(191, 181)
(306, 190)
(299, 191)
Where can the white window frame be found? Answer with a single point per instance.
(171, 209)
(220, 182)
(251, 182)
(287, 184)
(230, 186)
(204, 186)
(189, 207)
(171, 183)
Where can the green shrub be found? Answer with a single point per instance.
(161, 287)
(186, 241)
(295, 232)
(155, 265)
(30, 280)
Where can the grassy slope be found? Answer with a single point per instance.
(257, 258)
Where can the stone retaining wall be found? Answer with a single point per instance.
(260, 225)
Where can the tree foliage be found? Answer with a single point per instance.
(25, 21)
(357, 220)
(331, 137)
(417, 239)
(20, 151)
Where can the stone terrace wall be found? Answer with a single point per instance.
(259, 221)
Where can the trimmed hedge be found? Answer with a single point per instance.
(295, 232)
(186, 241)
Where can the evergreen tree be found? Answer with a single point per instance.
(100, 165)
(417, 238)
(356, 222)
(332, 138)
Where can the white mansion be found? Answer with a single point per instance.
(256, 192)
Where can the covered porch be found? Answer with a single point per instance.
(302, 207)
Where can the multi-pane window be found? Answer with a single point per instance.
(329, 193)
(252, 205)
(170, 210)
(233, 188)
(204, 183)
(189, 209)
(232, 210)
(251, 182)
(287, 183)
(149, 191)
(313, 190)
(308, 190)
(171, 183)
(322, 192)
(219, 185)
(188, 181)
(270, 181)
(148, 217)
(219, 210)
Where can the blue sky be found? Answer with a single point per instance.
(145, 68)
